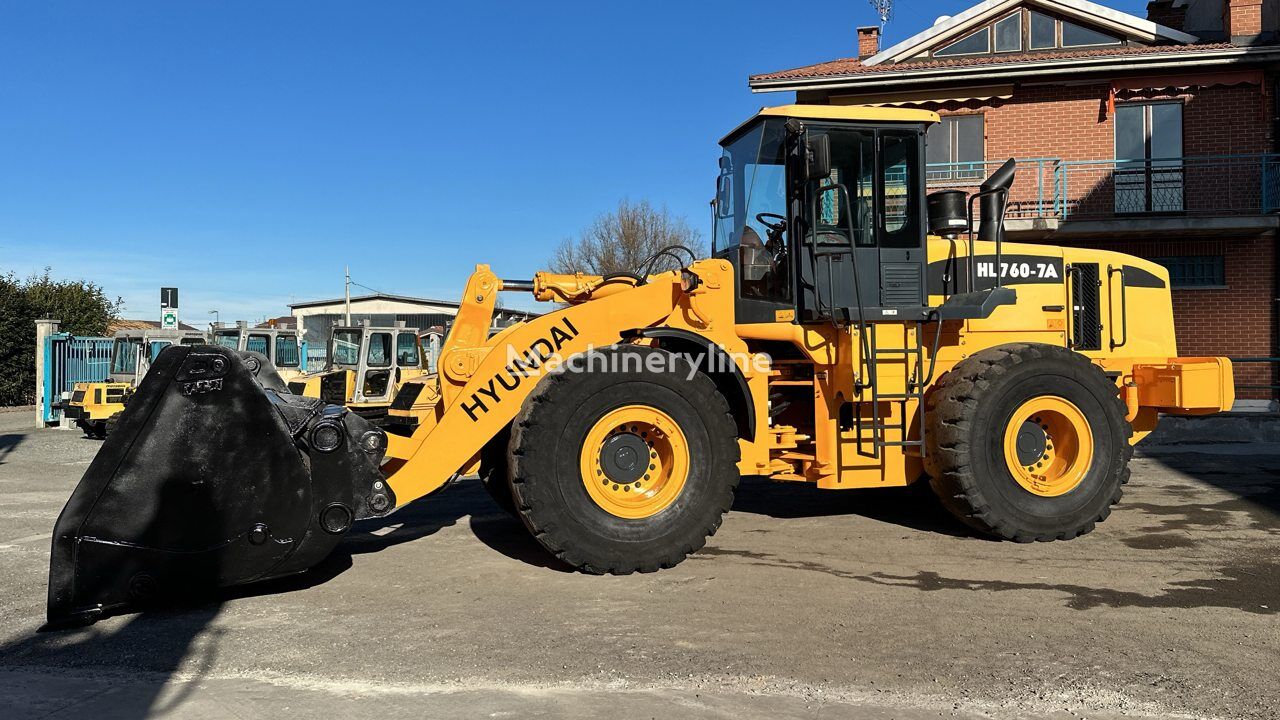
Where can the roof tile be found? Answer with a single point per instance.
(852, 66)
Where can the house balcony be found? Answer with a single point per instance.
(1186, 196)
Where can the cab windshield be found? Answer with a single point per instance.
(346, 347)
(752, 181)
(750, 211)
(124, 355)
(229, 340)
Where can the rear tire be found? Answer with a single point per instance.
(579, 472)
(993, 422)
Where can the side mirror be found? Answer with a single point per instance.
(724, 196)
(817, 157)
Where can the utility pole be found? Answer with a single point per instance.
(884, 11)
(347, 320)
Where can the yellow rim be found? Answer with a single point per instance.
(1048, 446)
(634, 462)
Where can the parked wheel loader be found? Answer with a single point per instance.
(367, 366)
(94, 404)
(848, 332)
(417, 397)
(283, 347)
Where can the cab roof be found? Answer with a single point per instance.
(855, 113)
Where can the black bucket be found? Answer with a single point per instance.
(215, 475)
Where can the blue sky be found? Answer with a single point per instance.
(245, 151)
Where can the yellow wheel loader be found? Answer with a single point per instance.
(367, 366)
(416, 399)
(94, 404)
(281, 346)
(848, 332)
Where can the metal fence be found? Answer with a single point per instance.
(1208, 185)
(1222, 185)
(68, 360)
(1034, 191)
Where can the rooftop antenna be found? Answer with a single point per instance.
(884, 10)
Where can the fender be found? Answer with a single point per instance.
(732, 384)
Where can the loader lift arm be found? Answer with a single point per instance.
(485, 380)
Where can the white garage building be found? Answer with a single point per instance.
(316, 317)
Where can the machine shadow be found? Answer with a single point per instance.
(143, 654)
(467, 499)
(913, 507)
(8, 443)
(1253, 479)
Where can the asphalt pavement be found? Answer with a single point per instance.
(807, 604)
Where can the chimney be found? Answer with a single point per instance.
(869, 41)
(1242, 20)
(1169, 13)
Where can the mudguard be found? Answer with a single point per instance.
(216, 475)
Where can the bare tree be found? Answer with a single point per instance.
(625, 239)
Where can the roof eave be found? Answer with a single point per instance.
(1082, 9)
(917, 76)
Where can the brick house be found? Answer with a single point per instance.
(1153, 136)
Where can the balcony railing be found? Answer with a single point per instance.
(1033, 194)
(1052, 188)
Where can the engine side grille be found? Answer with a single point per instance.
(1086, 318)
(333, 388)
(900, 285)
(407, 396)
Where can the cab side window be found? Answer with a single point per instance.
(287, 354)
(257, 343)
(379, 350)
(406, 349)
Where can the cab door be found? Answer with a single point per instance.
(862, 250)
(377, 368)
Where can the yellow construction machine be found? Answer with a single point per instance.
(416, 399)
(366, 368)
(94, 404)
(283, 347)
(848, 332)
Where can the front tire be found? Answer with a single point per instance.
(627, 468)
(1028, 442)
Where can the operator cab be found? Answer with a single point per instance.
(133, 351)
(822, 212)
(283, 346)
(379, 356)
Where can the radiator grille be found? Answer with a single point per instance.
(1086, 319)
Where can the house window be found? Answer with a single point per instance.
(1148, 169)
(1074, 35)
(978, 43)
(1009, 34)
(1048, 33)
(955, 150)
(1195, 270)
(1044, 32)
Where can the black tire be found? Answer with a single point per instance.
(494, 474)
(967, 413)
(109, 425)
(546, 478)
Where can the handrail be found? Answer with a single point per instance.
(1124, 309)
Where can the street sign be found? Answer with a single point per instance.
(169, 308)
